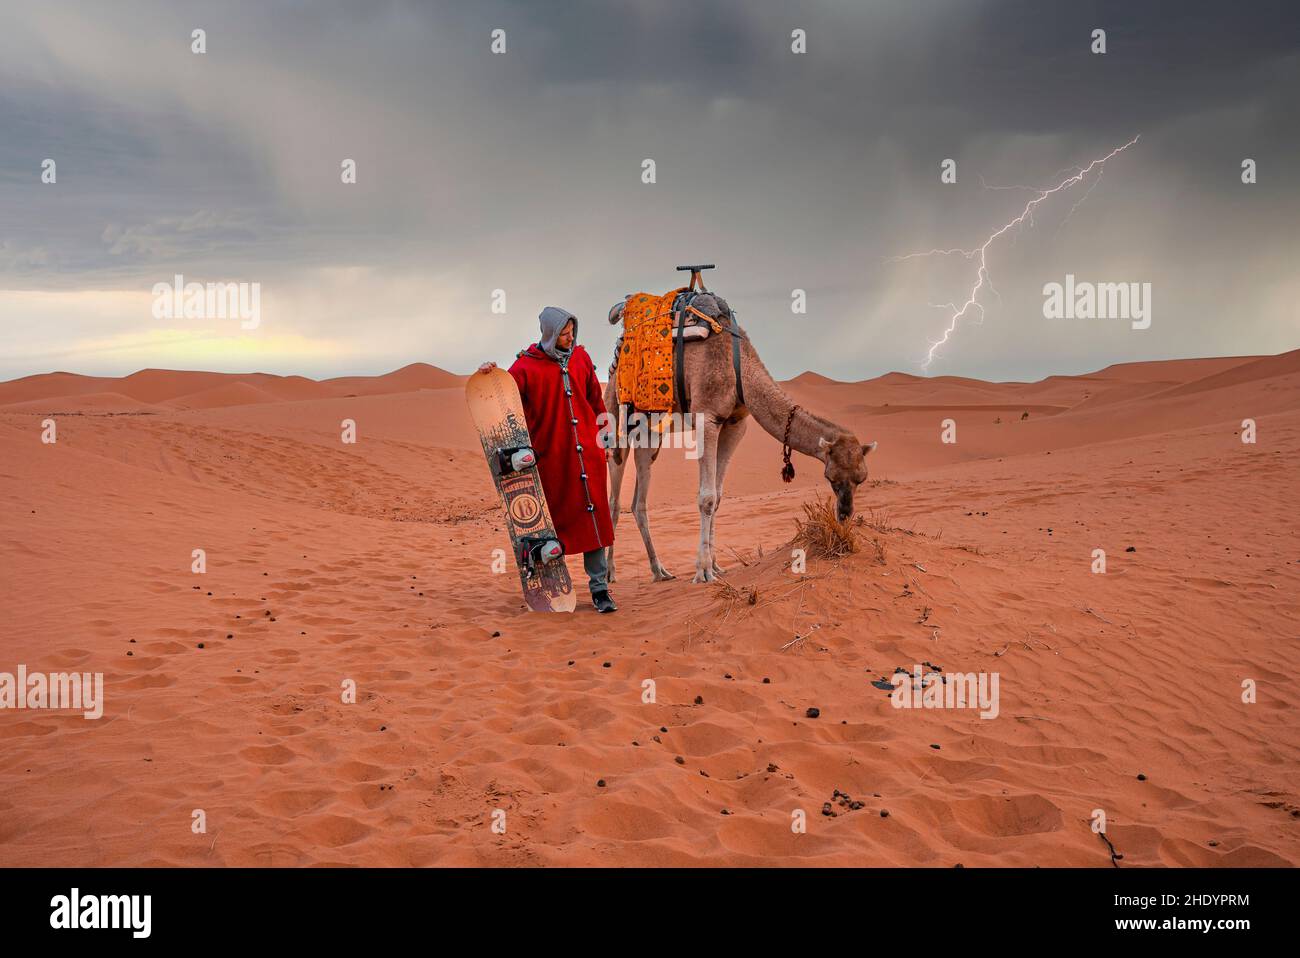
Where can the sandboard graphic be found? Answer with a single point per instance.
(498, 412)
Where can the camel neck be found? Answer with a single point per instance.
(771, 408)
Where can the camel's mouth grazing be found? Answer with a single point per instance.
(843, 500)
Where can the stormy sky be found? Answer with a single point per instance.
(522, 171)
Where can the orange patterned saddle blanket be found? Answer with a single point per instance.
(645, 359)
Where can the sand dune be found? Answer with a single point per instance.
(86, 403)
(227, 394)
(408, 378)
(371, 563)
(1249, 373)
(156, 386)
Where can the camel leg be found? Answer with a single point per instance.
(708, 500)
(640, 501)
(728, 439)
(617, 463)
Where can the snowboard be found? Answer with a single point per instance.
(498, 412)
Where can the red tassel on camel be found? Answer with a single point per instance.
(787, 471)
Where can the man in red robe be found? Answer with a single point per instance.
(562, 400)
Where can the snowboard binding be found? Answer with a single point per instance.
(515, 459)
(534, 553)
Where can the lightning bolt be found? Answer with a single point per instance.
(980, 253)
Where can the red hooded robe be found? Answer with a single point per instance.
(569, 457)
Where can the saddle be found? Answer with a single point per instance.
(649, 356)
(643, 358)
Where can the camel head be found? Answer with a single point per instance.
(846, 468)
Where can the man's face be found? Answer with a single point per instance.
(565, 339)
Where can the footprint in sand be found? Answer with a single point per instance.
(268, 755)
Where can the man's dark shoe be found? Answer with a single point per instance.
(603, 602)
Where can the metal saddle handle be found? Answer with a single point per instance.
(697, 282)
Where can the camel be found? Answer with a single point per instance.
(711, 395)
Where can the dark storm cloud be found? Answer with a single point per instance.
(521, 171)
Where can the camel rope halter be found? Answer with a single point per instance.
(787, 471)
